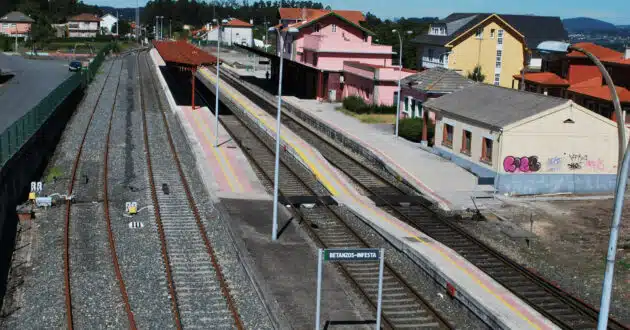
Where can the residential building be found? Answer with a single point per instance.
(501, 44)
(108, 21)
(529, 143)
(576, 77)
(15, 24)
(61, 30)
(84, 26)
(235, 31)
(325, 40)
(420, 87)
(376, 84)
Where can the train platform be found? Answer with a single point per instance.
(499, 307)
(225, 168)
(289, 291)
(444, 182)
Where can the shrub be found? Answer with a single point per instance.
(411, 129)
(383, 109)
(354, 103)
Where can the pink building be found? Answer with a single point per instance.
(15, 24)
(376, 84)
(326, 40)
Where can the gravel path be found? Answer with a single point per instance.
(40, 301)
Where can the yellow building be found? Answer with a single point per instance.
(500, 44)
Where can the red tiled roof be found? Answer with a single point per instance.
(544, 78)
(85, 18)
(182, 52)
(308, 14)
(237, 23)
(601, 92)
(602, 53)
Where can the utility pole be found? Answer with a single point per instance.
(138, 20)
(117, 23)
(170, 28)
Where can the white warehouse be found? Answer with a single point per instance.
(235, 31)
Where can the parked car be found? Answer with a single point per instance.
(75, 66)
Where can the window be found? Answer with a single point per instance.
(430, 51)
(5, 25)
(500, 37)
(492, 34)
(497, 79)
(499, 56)
(447, 138)
(486, 151)
(466, 142)
(334, 28)
(479, 33)
(317, 27)
(413, 108)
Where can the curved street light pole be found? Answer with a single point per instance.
(622, 175)
(400, 67)
(216, 91)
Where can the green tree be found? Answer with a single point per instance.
(476, 74)
(124, 27)
(42, 32)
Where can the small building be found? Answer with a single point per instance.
(84, 26)
(529, 143)
(376, 84)
(235, 31)
(15, 24)
(501, 44)
(422, 86)
(108, 21)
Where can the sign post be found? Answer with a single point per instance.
(350, 255)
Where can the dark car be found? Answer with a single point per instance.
(75, 66)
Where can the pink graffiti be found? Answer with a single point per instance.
(595, 164)
(513, 164)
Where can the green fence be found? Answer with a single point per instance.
(12, 139)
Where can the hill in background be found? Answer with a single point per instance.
(580, 24)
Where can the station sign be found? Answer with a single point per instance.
(351, 255)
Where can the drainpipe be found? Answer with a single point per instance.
(496, 175)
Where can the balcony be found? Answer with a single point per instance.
(340, 44)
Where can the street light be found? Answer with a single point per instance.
(274, 235)
(216, 92)
(400, 64)
(161, 26)
(557, 48)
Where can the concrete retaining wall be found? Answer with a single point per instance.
(25, 166)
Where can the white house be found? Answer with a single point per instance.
(234, 31)
(109, 21)
(529, 143)
(84, 26)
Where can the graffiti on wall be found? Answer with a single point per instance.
(576, 161)
(554, 164)
(513, 164)
(595, 164)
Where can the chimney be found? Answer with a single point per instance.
(627, 54)
(303, 13)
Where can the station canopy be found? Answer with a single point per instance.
(183, 53)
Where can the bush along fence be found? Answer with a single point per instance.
(12, 139)
(356, 104)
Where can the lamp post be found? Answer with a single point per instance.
(274, 234)
(556, 47)
(400, 64)
(216, 91)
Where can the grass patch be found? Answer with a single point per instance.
(54, 173)
(370, 118)
(625, 264)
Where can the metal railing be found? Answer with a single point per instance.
(20, 131)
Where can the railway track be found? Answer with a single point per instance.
(402, 307)
(199, 292)
(110, 235)
(556, 304)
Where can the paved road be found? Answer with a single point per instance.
(32, 81)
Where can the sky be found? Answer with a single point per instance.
(613, 11)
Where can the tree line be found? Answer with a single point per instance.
(198, 13)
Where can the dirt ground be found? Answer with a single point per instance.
(568, 243)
